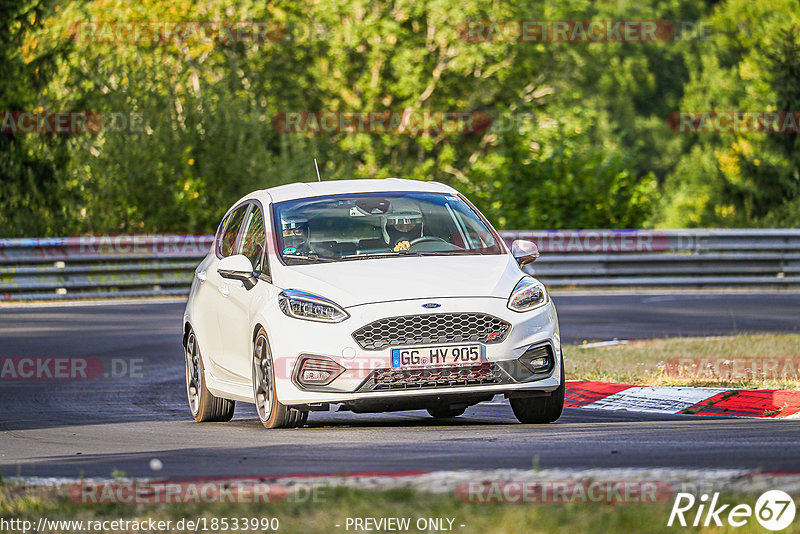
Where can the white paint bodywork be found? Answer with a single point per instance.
(225, 316)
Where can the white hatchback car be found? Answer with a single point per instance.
(374, 295)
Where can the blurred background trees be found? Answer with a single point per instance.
(578, 139)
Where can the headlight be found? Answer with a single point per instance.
(528, 295)
(302, 305)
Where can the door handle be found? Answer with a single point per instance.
(224, 290)
(201, 276)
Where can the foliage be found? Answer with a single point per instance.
(578, 134)
(742, 179)
(33, 195)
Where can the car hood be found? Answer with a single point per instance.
(356, 282)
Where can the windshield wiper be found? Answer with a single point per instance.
(310, 258)
(417, 253)
(382, 255)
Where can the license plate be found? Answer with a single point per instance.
(437, 356)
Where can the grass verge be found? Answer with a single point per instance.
(336, 505)
(757, 361)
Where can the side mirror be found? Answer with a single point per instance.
(238, 267)
(524, 251)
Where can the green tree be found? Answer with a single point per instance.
(741, 178)
(33, 198)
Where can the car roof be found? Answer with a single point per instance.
(336, 187)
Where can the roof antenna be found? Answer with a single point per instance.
(319, 178)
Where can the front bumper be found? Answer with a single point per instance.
(367, 374)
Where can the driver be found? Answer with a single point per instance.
(403, 227)
(295, 235)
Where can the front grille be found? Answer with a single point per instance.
(431, 328)
(395, 379)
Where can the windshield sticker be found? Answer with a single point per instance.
(454, 199)
(289, 250)
(355, 212)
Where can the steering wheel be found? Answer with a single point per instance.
(426, 239)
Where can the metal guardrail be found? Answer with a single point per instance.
(687, 258)
(97, 266)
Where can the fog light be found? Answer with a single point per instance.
(311, 375)
(316, 371)
(538, 359)
(540, 363)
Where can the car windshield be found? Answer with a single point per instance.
(373, 225)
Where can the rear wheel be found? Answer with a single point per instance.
(443, 412)
(203, 404)
(272, 413)
(537, 410)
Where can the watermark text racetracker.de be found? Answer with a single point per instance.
(751, 368)
(596, 241)
(151, 525)
(561, 31)
(584, 31)
(70, 122)
(102, 245)
(407, 121)
(734, 122)
(397, 122)
(69, 368)
(236, 490)
(565, 491)
(178, 32)
(111, 244)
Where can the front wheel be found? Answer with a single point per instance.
(203, 404)
(538, 410)
(272, 413)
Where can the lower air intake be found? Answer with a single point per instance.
(396, 379)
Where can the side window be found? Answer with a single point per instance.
(227, 240)
(255, 240)
(476, 234)
(218, 235)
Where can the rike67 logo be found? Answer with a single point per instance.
(774, 510)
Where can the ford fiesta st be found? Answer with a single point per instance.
(370, 295)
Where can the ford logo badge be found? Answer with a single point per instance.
(431, 305)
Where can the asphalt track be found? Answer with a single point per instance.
(69, 428)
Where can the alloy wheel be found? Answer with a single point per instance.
(262, 377)
(193, 374)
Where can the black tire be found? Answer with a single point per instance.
(540, 410)
(204, 405)
(443, 412)
(270, 411)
